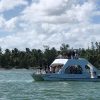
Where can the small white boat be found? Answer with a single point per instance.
(69, 70)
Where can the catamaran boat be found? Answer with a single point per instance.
(69, 70)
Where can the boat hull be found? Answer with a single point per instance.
(37, 77)
(44, 77)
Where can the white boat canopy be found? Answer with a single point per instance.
(59, 61)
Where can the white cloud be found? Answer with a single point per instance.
(59, 11)
(8, 25)
(11, 24)
(2, 21)
(77, 36)
(28, 39)
(52, 22)
(96, 13)
(10, 4)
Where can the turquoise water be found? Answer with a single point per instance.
(19, 85)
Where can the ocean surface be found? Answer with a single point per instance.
(19, 85)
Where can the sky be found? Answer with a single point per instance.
(36, 23)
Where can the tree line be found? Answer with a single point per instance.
(34, 58)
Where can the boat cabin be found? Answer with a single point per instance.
(77, 68)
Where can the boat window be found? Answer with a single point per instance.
(76, 69)
(87, 68)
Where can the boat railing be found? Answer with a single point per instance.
(39, 71)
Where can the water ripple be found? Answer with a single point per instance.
(19, 85)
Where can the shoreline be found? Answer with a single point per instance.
(3, 69)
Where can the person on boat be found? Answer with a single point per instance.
(73, 54)
(40, 70)
(56, 69)
(69, 55)
(76, 55)
(52, 69)
(47, 69)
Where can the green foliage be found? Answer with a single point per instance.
(64, 49)
(37, 58)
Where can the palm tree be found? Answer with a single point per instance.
(64, 49)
